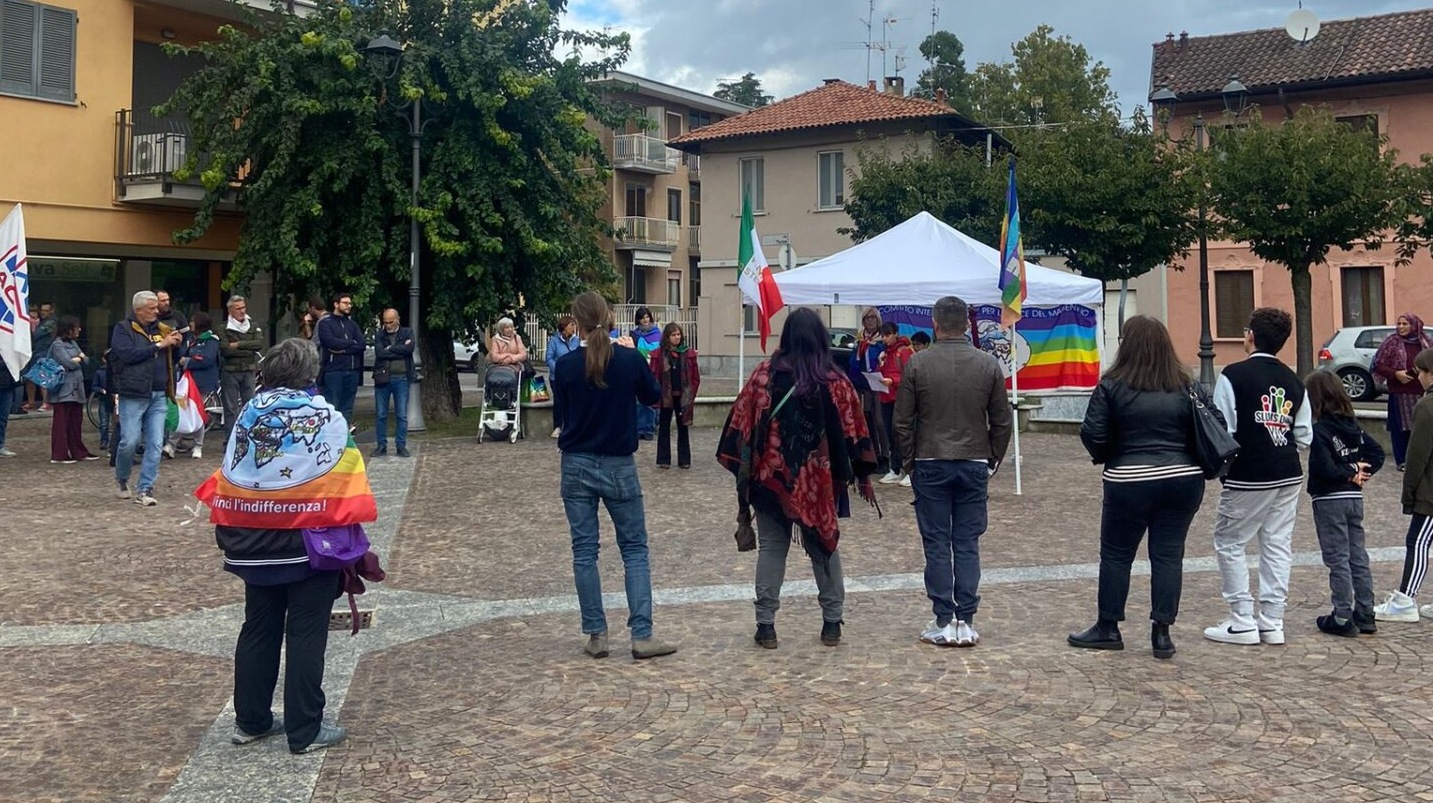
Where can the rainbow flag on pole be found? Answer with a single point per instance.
(1012, 258)
(290, 464)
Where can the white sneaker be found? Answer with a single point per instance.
(1426, 610)
(1271, 632)
(556, 433)
(144, 499)
(123, 492)
(169, 450)
(1398, 608)
(965, 635)
(1233, 631)
(905, 481)
(7, 453)
(197, 452)
(940, 636)
(891, 478)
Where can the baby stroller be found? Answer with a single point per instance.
(500, 417)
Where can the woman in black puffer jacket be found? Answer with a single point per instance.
(1140, 426)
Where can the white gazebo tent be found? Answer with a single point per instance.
(920, 261)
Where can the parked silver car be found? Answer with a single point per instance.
(1349, 353)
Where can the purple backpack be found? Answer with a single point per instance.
(332, 549)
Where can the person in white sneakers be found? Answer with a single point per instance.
(952, 424)
(1263, 402)
(1402, 605)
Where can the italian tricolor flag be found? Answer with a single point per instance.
(758, 287)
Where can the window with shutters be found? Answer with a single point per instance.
(831, 180)
(674, 206)
(37, 50)
(752, 175)
(1233, 301)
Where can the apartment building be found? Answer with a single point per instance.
(655, 200)
(94, 168)
(1370, 72)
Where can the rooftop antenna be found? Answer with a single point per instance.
(870, 22)
(1303, 25)
(886, 24)
(934, 16)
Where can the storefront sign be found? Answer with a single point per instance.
(59, 269)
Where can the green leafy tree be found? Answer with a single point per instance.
(313, 133)
(1294, 189)
(1051, 80)
(747, 91)
(1114, 200)
(1416, 230)
(947, 72)
(951, 181)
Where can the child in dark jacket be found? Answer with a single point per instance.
(1341, 459)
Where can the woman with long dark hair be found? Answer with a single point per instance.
(796, 440)
(675, 366)
(596, 392)
(1140, 426)
(1394, 363)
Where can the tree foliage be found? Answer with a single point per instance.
(1051, 80)
(746, 91)
(314, 133)
(947, 72)
(951, 181)
(1294, 189)
(1114, 200)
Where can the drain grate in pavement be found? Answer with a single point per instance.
(344, 620)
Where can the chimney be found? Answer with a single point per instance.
(871, 84)
(829, 81)
(940, 95)
(895, 85)
(1183, 38)
(1169, 38)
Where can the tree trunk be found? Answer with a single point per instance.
(1303, 317)
(442, 395)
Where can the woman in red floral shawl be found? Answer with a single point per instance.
(796, 440)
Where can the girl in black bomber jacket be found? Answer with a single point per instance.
(1341, 459)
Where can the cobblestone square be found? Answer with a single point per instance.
(117, 628)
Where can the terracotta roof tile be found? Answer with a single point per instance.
(832, 104)
(1388, 46)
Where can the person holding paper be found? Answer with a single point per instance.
(893, 361)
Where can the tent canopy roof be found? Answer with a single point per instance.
(920, 261)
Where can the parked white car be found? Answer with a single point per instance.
(466, 356)
(1349, 353)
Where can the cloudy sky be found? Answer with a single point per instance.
(792, 44)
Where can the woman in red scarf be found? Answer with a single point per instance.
(1394, 362)
(675, 365)
(796, 440)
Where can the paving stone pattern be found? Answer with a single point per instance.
(117, 626)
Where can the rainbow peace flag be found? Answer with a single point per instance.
(1055, 348)
(290, 464)
(1012, 258)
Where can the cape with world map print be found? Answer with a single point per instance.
(290, 464)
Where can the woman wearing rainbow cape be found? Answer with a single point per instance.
(289, 465)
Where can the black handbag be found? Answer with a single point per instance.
(1214, 448)
(382, 372)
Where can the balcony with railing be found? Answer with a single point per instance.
(694, 238)
(643, 154)
(647, 232)
(149, 151)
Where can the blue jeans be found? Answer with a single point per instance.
(7, 398)
(587, 478)
(950, 506)
(339, 388)
(646, 420)
(106, 410)
(140, 417)
(395, 393)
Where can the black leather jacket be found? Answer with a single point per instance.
(1128, 427)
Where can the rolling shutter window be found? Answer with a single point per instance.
(56, 78)
(37, 50)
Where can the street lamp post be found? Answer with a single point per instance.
(389, 48)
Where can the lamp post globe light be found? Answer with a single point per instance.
(387, 49)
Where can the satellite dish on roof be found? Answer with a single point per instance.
(1303, 26)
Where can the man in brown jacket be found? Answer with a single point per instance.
(952, 424)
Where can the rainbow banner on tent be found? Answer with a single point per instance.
(289, 465)
(1054, 348)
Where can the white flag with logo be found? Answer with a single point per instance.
(14, 294)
